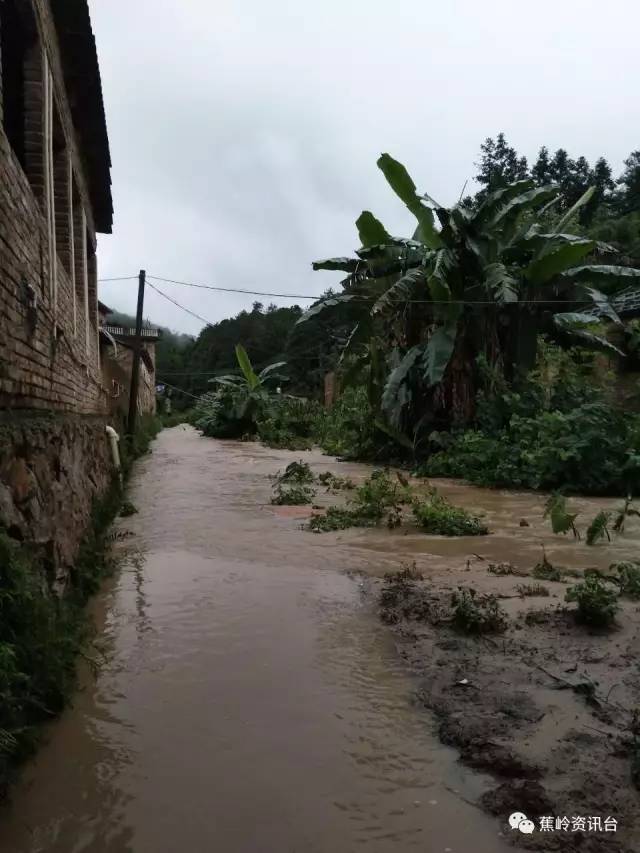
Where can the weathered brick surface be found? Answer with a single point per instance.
(54, 453)
(49, 354)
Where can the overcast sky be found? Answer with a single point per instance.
(244, 134)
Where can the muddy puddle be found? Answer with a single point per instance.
(251, 701)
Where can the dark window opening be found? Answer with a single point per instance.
(15, 42)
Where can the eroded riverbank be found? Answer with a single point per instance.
(251, 700)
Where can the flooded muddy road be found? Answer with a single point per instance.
(251, 701)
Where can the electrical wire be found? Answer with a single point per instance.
(232, 289)
(121, 278)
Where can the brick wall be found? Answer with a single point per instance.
(49, 348)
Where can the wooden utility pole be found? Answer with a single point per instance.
(137, 351)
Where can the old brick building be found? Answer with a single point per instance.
(55, 194)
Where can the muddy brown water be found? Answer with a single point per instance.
(251, 702)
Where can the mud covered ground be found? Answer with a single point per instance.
(546, 707)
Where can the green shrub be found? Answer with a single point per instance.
(556, 429)
(438, 517)
(339, 518)
(288, 422)
(292, 495)
(349, 430)
(597, 603)
(473, 614)
(629, 578)
(599, 528)
(334, 483)
(296, 472)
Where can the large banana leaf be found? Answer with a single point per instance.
(498, 199)
(402, 184)
(342, 264)
(602, 303)
(372, 232)
(438, 352)
(585, 198)
(445, 307)
(574, 324)
(325, 305)
(500, 283)
(231, 381)
(526, 201)
(245, 366)
(555, 262)
(392, 401)
(604, 275)
(399, 292)
(270, 369)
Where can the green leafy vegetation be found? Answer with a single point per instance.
(556, 430)
(561, 520)
(628, 578)
(292, 495)
(334, 483)
(477, 614)
(546, 571)
(288, 422)
(296, 472)
(599, 528)
(597, 603)
(439, 518)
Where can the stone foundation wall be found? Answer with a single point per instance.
(52, 467)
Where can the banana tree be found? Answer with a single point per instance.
(248, 379)
(233, 409)
(469, 283)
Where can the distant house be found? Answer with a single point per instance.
(118, 344)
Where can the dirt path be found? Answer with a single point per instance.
(252, 702)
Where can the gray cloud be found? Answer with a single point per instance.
(244, 135)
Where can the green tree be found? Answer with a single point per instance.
(484, 283)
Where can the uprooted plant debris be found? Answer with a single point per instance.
(383, 499)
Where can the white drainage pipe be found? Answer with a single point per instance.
(114, 438)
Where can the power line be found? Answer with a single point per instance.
(178, 305)
(232, 289)
(121, 278)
